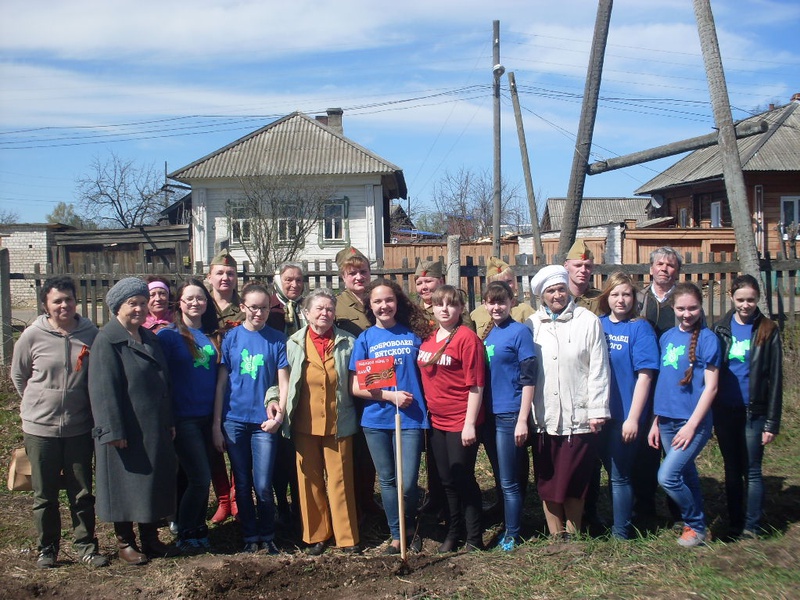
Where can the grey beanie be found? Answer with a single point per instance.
(124, 289)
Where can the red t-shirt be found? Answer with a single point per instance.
(447, 383)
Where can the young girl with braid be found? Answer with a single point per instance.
(451, 363)
(686, 388)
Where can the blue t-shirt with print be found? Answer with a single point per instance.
(403, 344)
(507, 345)
(734, 382)
(194, 380)
(672, 399)
(632, 346)
(253, 359)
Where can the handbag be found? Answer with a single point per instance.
(19, 471)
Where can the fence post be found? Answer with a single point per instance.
(7, 343)
(453, 274)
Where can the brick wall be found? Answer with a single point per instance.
(27, 245)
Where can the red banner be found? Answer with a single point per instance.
(376, 373)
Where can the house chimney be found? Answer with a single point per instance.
(771, 106)
(795, 98)
(335, 120)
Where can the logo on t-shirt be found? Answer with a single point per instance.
(204, 360)
(489, 353)
(672, 354)
(250, 364)
(739, 349)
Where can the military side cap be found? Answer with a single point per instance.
(495, 266)
(350, 252)
(429, 268)
(224, 258)
(580, 251)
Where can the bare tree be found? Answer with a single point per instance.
(8, 217)
(275, 216)
(465, 202)
(120, 193)
(65, 214)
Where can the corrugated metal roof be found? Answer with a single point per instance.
(293, 145)
(777, 149)
(595, 211)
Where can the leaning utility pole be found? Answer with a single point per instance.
(728, 148)
(538, 248)
(583, 143)
(497, 73)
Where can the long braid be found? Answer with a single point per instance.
(687, 376)
(488, 329)
(435, 358)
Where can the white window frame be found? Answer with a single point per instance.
(287, 227)
(787, 219)
(716, 214)
(238, 220)
(333, 225)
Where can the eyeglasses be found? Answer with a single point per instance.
(256, 309)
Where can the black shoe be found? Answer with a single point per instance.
(270, 547)
(46, 558)
(250, 548)
(474, 548)
(351, 549)
(449, 545)
(391, 550)
(316, 549)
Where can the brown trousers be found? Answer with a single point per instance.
(326, 490)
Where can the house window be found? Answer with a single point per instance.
(239, 224)
(790, 213)
(683, 218)
(333, 222)
(287, 224)
(716, 214)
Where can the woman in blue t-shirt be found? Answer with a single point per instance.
(747, 413)
(253, 360)
(633, 358)
(511, 376)
(192, 356)
(686, 387)
(399, 328)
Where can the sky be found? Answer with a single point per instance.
(168, 82)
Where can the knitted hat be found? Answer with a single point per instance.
(429, 268)
(124, 289)
(548, 276)
(347, 253)
(495, 266)
(580, 251)
(224, 258)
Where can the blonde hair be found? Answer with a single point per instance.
(615, 279)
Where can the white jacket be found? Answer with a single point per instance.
(573, 381)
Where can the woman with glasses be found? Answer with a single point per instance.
(253, 360)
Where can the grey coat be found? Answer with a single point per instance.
(130, 396)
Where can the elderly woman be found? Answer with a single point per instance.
(158, 304)
(49, 371)
(570, 404)
(321, 419)
(129, 388)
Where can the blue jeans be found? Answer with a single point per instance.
(739, 439)
(192, 446)
(678, 473)
(508, 457)
(618, 460)
(252, 455)
(381, 443)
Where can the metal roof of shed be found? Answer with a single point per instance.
(595, 211)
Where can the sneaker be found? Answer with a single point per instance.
(507, 544)
(188, 545)
(391, 550)
(678, 526)
(270, 547)
(691, 538)
(250, 548)
(748, 534)
(94, 559)
(46, 558)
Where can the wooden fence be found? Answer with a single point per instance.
(714, 278)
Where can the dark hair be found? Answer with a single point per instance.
(62, 283)
(408, 313)
(615, 279)
(498, 290)
(745, 281)
(208, 322)
(689, 289)
(253, 286)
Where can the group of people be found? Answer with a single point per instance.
(616, 377)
